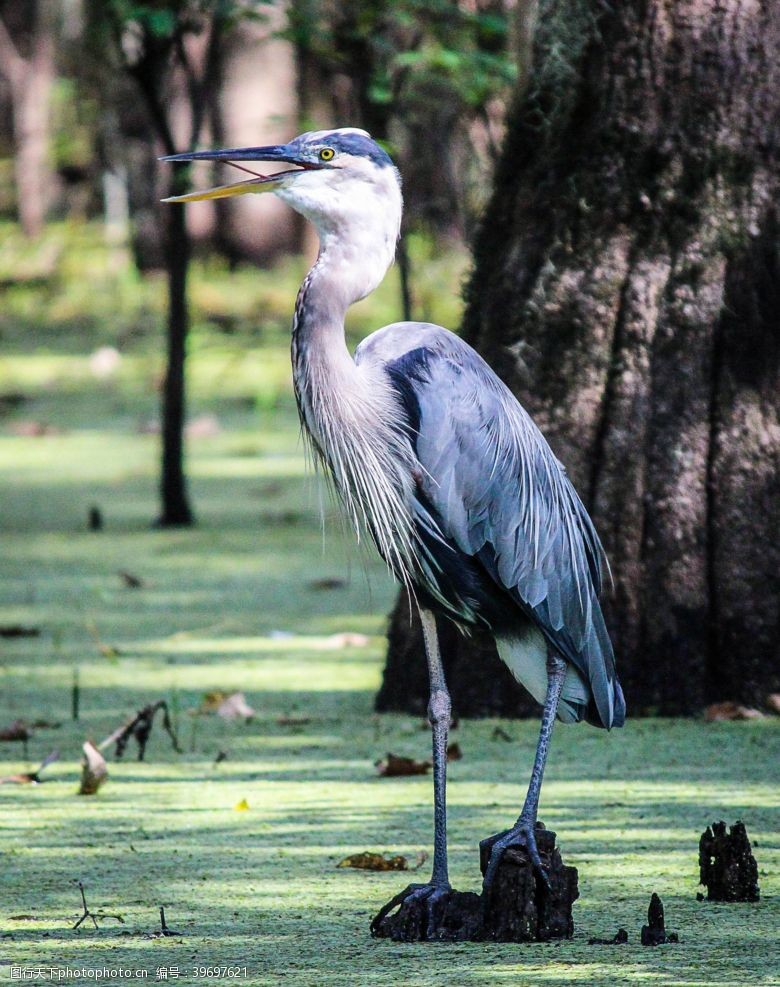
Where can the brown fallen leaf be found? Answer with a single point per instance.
(16, 731)
(131, 581)
(773, 701)
(93, 769)
(394, 766)
(730, 711)
(381, 862)
(327, 582)
(235, 707)
(17, 630)
(30, 777)
(454, 753)
(291, 720)
(374, 861)
(22, 918)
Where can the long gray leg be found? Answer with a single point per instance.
(556, 672)
(433, 896)
(522, 833)
(439, 710)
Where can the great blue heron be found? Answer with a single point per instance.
(432, 454)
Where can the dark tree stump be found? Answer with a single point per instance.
(519, 907)
(457, 919)
(654, 933)
(727, 867)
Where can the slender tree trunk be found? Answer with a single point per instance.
(176, 509)
(30, 78)
(626, 287)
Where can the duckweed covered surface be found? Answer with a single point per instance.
(229, 606)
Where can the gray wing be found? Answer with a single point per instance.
(499, 492)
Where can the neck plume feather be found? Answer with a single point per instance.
(353, 420)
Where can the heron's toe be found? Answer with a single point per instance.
(427, 901)
(522, 834)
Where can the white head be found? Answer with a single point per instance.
(343, 182)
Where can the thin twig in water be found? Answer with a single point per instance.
(164, 930)
(93, 915)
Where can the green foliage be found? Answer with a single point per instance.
(410, 44)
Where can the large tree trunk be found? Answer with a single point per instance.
(627, 287)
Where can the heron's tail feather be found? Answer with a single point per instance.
(526, 657)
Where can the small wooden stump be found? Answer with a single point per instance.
(519, 907)
(727, 867)
(654, 933)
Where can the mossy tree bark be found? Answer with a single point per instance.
(627, 288)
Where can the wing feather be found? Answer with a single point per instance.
(501, 495)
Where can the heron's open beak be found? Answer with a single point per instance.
(260, 183)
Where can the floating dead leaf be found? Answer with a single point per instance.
(16, 731)
(93, 769)
(22, 779)
(242, 806)
(30, 777)
(454, 753)
(17, 630)
(394, 766)
(773, 701)
(374, 861)
(235, 707)
(327, 582)
(730, 711)
(291, 720)
(131, 581)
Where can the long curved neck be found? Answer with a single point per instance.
(350, 265)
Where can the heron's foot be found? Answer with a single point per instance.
(421, 908)
(522, 834)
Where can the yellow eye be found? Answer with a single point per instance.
(327, 154)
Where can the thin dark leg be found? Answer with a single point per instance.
(439, 711)
(522, 833)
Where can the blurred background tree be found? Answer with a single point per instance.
(27, 63)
